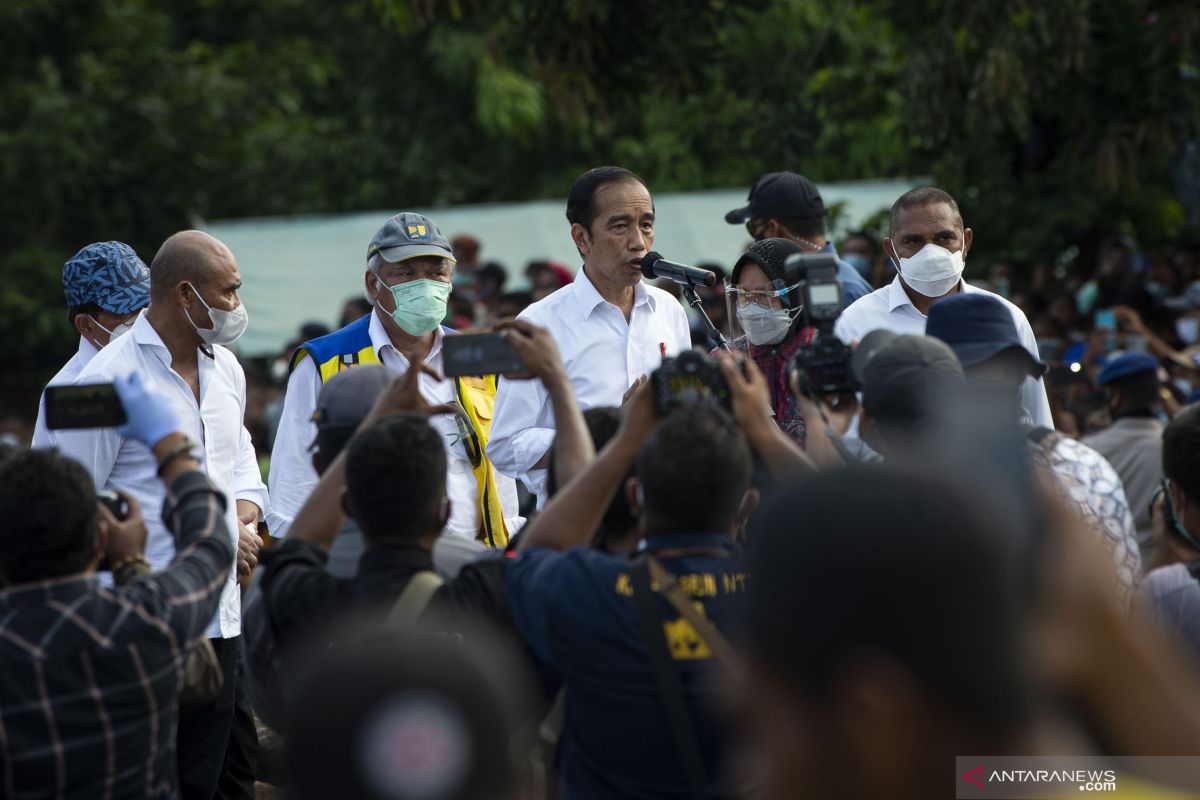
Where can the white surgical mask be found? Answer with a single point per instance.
(764, 325)
(117, 332)
(1188, 329)
(933, 271)
(227, 327)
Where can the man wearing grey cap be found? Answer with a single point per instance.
(410, 264)
(106, 286)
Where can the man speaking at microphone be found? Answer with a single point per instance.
(610, 327)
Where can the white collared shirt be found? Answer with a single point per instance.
(215, 423)
(891, 308)
(603, 353)
(292, 474)
(43, 436)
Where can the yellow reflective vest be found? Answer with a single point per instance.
(351, 347)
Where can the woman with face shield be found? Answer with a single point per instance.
(764, 318)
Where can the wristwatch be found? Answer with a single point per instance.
(184, 448)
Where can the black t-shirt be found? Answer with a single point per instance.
(301, 597)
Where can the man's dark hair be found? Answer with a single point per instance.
(90, 309)
(879, 560)
(804, 228)
(396, 478)
(1138, 392)
(920, 197)
(48, 505)
(581, 202)
(694, 470)
(1181, 451)
(602, 424)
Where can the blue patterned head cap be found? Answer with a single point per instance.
(108, 274)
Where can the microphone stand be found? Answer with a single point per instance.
(693, 299)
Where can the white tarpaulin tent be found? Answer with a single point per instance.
(296, 269)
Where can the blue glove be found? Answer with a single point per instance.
(150, 417)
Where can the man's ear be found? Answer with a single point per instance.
(86, 327)
(581, 237)
(633, 496)
(371, 285)
(889, 250)
(968, 238)
(749, 504)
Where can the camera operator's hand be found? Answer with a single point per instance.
(639, 417)
(150, 416)
(404, 392)
(638, 383)
(1129, 320)
(840, 410)
(536, 348)
(126, 537)
(748, 386)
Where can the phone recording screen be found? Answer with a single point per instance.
(92, 405)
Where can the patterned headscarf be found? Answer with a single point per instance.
(108, 274)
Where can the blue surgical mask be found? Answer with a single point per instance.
(861, 264)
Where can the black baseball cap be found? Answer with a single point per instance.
(780, 195)
(905, 376)
(978, 327)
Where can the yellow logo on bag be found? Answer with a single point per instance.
(683, 641)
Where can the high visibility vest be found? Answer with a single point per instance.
(351, 347)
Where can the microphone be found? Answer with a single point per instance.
(655, 266)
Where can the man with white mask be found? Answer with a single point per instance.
(178, 350)
(928, 245)
(106, 286)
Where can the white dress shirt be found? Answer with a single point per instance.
(891, 308)
(293, 476)
(603, 353)
(43, 436)
(215, 424)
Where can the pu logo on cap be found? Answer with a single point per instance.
(418, 232)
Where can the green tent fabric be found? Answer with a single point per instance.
(300, 269)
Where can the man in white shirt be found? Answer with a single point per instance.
(611, 329)
(928, 245)
(106, 286)
(410, 265)
(176, 348)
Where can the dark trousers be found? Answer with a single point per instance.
(217, 743)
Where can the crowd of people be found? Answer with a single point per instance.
(656, 561)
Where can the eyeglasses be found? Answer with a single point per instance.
(754, 227)
(468, 436)
(762, 298)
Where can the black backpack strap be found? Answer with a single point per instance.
(666, 675)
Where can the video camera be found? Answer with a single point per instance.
(689, 378)
(822, 366)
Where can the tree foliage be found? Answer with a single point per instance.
(128, 119)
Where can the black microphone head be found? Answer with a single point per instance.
(710, 277)
(648, 262)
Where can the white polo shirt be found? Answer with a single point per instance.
(603, 353)
(891, 308)
(43, 436)
(226, 453)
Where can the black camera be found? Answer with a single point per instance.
(689, 378)
(114, 503)
(823, 365)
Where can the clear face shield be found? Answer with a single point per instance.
(753, 300)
